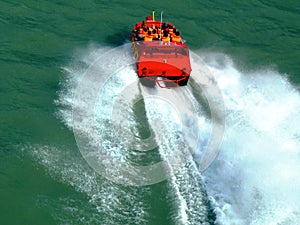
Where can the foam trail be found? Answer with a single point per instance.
(256, 179)
(186, 185)
(111, 203)
(260, 149)
(186, 189)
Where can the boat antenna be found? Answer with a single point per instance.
(161, 15)
(153, 12)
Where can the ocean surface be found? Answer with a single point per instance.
(252, 49)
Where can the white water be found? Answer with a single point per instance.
(255, 178)
(108, 202)
(186, 188)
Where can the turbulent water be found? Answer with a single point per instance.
(249, 50)
(255, 178)
(240, 188)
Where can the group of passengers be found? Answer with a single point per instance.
(167, 33)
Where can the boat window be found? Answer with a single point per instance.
(166, 50)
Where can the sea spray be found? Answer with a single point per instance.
(255, 178)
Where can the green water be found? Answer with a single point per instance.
(39, 38)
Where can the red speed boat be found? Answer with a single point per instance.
(160, 52)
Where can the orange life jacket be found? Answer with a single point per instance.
(144, 33)
(176, 38)
(155, 35)
(165, 39)
(148, 38)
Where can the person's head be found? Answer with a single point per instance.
(149, 32)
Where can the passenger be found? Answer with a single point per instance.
(140, 34)
(140, 30)
(176, 37)
(174, 30)
(159, 31)
(166, 38)
(155, 35)
(137, 34)
(171, 30)
(145, 31)
(148, 37)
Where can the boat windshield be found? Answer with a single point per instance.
(166, 50)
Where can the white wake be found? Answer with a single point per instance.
(256, 179)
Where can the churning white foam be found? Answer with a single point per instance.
(185, 186)
(186, 190)
(256, 178)
(111, 202)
